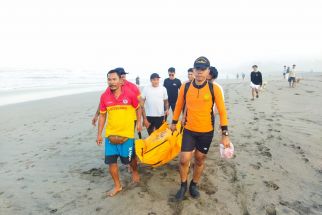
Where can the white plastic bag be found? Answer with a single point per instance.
(226, 152)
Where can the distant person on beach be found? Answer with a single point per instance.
(190, 74)
(199, 128)
(237, 76)
(243, 76)
(284, 71)
(117, 105)
(172, 84)
(292, 76)
(125, 83)
(137, 80)
(155, 105)
(255, 81)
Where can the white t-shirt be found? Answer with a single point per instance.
(154, 100)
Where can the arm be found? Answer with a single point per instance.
(138, 116)
(260, 79)
(101, 123)
(145, 120)
(220, 104)
(95, 117)
(178, 109)
(166, 106)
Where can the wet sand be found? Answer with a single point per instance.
(50, 164)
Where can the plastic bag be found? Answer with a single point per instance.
(226, 152)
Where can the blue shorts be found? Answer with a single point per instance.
(125, 151)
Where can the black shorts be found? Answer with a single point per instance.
(196, 140)
(155, 122)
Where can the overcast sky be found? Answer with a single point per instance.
(147, 36)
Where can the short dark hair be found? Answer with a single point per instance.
(254, 66)
(190, 70)
(213, 72)
(114, 71)
(172, 70)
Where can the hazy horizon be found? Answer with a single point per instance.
(145, 37)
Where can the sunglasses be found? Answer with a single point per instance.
(171, 74)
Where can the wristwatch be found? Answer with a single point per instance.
(225, 133)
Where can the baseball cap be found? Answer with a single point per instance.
(201, 63)
(120, 70)
(154, 75)
(171, 69)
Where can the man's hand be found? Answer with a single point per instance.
(94, 120)
(166, 113)
(173, 127)
(138, 127)
(225, 140)
(146, 123)
(99, 140)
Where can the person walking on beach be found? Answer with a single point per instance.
(126, 84)
(237, 76)
(137, 81)
(291, 76)
(284, 71)
(243, 76)
(198, 97)
(190, 74)
(255, 81)
(172, 85)
(117, 106)
(155, 105)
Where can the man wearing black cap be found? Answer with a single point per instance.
(172, 85)
(155, 103)
(198, 97)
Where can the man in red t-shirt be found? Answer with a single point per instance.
(125, 83)
(117, 108)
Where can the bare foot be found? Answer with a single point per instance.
(114, 192)
(135, 177)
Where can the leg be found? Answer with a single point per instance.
(114, 171)
(185, 158)
(253, 93)
(150, 129)
(199, 165)
(256, 90)
(135, 173)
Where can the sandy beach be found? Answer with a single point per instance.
(50, 163)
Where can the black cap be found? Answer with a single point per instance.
(154, 75)
(120, 70)
(201, 63)
(213, 72)
(190, 70)
(171, 69)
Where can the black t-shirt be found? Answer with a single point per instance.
(172, 87)
(256, 77)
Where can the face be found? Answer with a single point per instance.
(201, 74)
(255, 68)
(171, 75)
(190, 76)
(114, 81)
(155, 82)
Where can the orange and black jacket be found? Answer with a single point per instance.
(199, 114)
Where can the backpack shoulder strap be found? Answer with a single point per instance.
(186, 87)
(211, 88)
